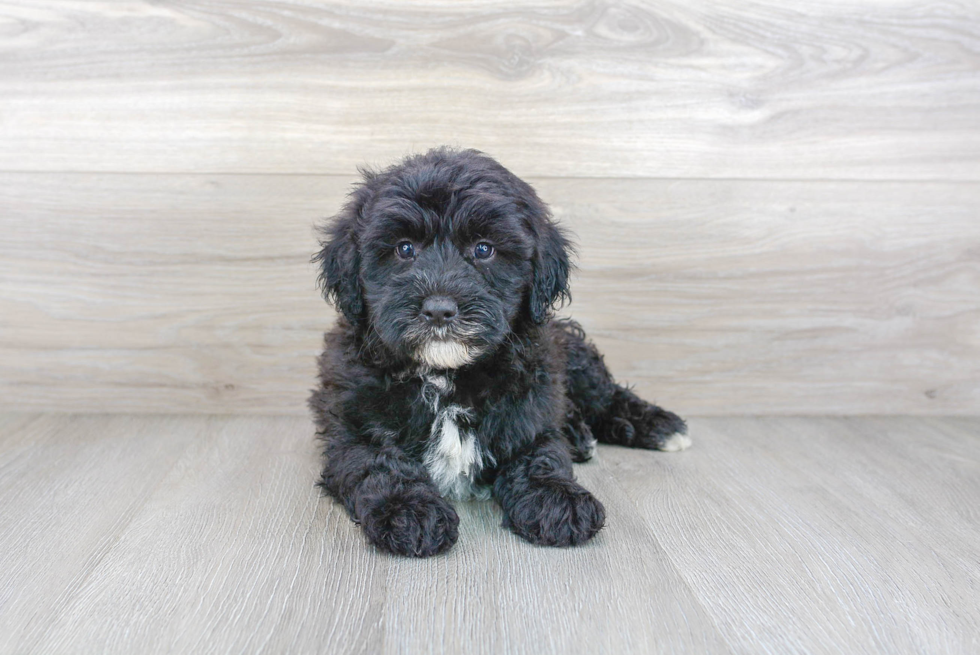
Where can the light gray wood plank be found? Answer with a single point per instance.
(69, 486)
(173, 296)
(497, 594)
(772, 89)
(195, 293)
(966, 427)
(13, 431)
(775, 298)
(934, 480)
(235, 552)
(797, 537)
(907, 494)
(771, 535)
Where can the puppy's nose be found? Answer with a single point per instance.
(439, 310)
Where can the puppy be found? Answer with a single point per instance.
(446, 376)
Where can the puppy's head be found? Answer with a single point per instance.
(442, 256)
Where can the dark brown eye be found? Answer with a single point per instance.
(405, 249)
(483, 250)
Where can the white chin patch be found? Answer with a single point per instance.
(444, 354)
(676, 442)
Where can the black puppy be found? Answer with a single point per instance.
(446, 376)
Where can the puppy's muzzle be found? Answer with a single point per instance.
(439, 311)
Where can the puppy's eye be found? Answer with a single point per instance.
(483, 250)
(405, 249)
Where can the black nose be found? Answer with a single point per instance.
(439, 310)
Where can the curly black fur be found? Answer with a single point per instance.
(485, 395)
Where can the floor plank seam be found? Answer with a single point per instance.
(606, 469)
(70, 594)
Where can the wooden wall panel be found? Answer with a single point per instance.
(195, 293)
(778, 202)
(783, 89)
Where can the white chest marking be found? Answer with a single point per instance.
(453, 457)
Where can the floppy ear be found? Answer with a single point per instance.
(550, 270)
(340, 260)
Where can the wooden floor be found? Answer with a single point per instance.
(143, 534)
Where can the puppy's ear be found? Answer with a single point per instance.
(551, 267)
(340, 260)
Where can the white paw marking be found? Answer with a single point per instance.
(676, 442)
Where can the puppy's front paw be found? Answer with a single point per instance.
(415, 523)
(557, 514)
(642, 425)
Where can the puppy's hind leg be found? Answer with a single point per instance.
(611, 412)
(631, 421)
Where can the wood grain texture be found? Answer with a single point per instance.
(803, 536)
(70, 485)
(497, 594)
(772, 89)
(776, 535)
(235, 552)
(195, 293)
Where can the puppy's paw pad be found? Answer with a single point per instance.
(675, 443)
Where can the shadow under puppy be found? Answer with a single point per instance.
(446, 377)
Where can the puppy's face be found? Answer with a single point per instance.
(443, 279)
(441, 256)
